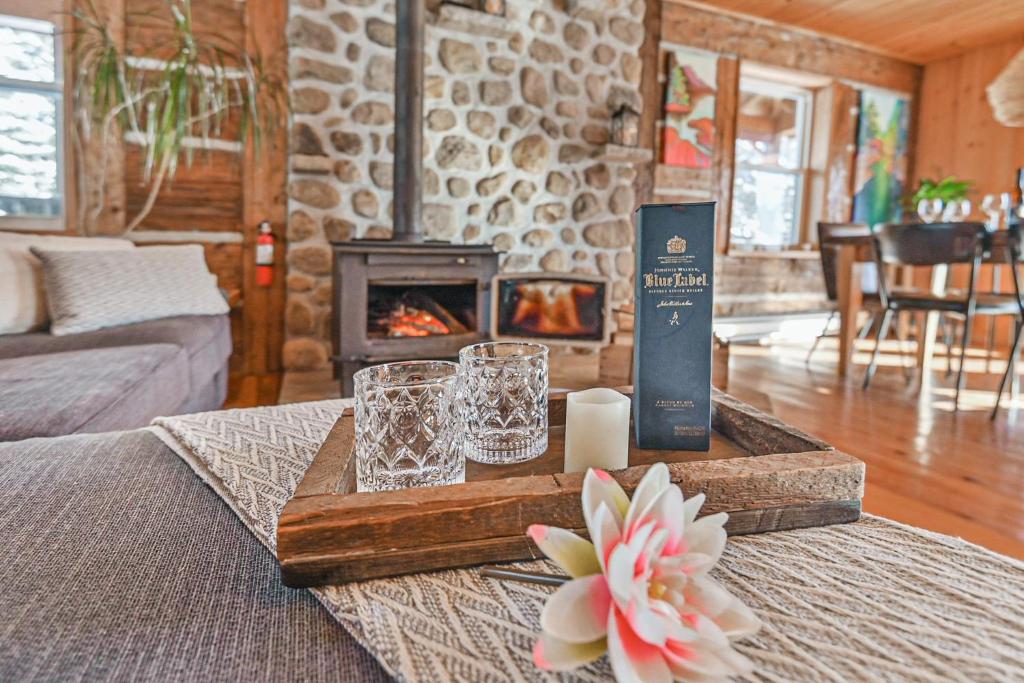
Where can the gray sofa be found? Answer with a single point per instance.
(121, 565)
(111, 379)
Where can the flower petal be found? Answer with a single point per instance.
(692, 507)
(654, 482)
(707, 535)
(552, 654)
(599, 487)
(604, 532)
(738, 621)
(578, 610)
(575, 555)
(632, 660)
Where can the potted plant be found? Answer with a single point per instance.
(933, 196)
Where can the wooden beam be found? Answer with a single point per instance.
(652, 94)
(264, 196)
(841, 156)
(800, 50)
(723, 161)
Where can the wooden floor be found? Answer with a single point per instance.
(955, 473)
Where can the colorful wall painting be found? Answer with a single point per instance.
(688, 133)
(881, 157)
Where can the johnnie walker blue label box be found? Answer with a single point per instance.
(675, 264)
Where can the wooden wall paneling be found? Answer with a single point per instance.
(653, 97)
(264, 178)
(757, 41)
(723, 161)
(841, 155)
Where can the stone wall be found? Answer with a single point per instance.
(517, 110)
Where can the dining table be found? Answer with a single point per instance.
(855, 247)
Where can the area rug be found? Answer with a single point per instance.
(873, 600)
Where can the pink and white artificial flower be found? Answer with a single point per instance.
(640, 588)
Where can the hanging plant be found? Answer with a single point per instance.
(169, 102)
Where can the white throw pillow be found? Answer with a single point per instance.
(22, 296)
(89, 290)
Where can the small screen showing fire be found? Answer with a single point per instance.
(420, 311)
(551, 309)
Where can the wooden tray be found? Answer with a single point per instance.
(767, 475)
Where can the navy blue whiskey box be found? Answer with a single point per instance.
(675, 265)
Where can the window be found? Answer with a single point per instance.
(772, 135)
(31, 123)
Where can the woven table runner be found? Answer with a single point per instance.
(869, 601)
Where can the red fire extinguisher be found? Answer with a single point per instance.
(265, 255)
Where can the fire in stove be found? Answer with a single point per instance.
(397, 312)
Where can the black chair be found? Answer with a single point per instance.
(830, 236)
(932, 245)
(1010, 254)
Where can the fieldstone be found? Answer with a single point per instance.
(638, 7)
(375, 142)
(505, 134)
(380, 74)
(599, 113)
(347, 171)
(531, 154)
(570, 130)
(311, 4)
(585, 206)
(605, 264)
(595, 85)
(348, 98)
(503, 66)
(576, 65)
(504, 242)
(554, 261)
(459, 187)
(382, 174)
(323, 294)
(307, 163)
(502, 213)
(595, 134)
(365, 203)
(303, 354)
(628, 31)
(431, 183)
(550, 127)
(603, 54)
(566, 85)
(580, 255)
(620, 96)
(571, 154)
(471, 233)
(622, 290)
(632, 68)
(380, 31)
(298, 317)
(461, 94)
(439, 222)
(517, 263)
(297, 282)
(309, 100)
(625, 263)
(627, 173)
(440, 119)
(523, 190)
(457, 152)
(488, 186)
(558, 183)
(575, 35)
(539, 237)
(303, 67)
(301, 226)
(495, 154)
(517, 42)
(433, 87)
(314, 259)
(338, 229)
(474, 209)
(520, 116)
(304, 140)
(609, 234)
(378, 232)
(495, 93)
(481, 123)
(541, 21)
(352, 52)
(373, 114)
(545, 52)
(550, 213)
(458, 57)
(304, 32)
(347, 143)
(345, 21)
(598, 176)
(567, 108)
(568, 235)
(622, 200)
(314, 192)
(534, 87)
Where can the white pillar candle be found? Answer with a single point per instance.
(596, 430)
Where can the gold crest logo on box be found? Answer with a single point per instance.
(676, 245)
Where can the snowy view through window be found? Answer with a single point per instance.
(30, 109)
